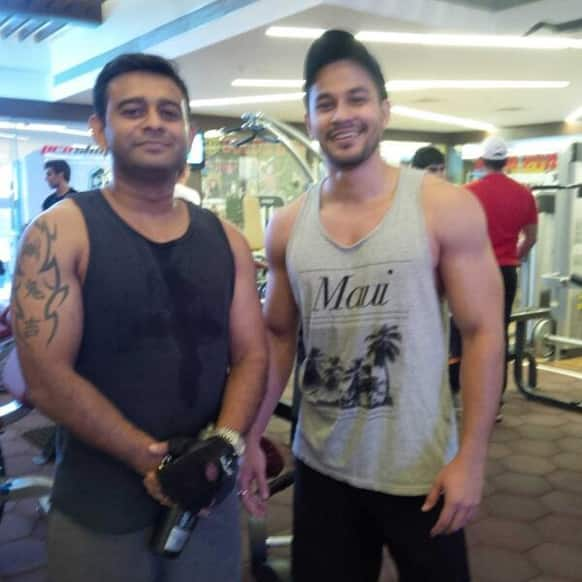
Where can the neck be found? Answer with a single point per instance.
(151, 196)
(367, 180)
(62, 188)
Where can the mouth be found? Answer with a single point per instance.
(344, 136)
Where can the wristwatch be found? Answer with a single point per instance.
(231, 436)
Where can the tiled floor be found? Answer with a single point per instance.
(529, 526)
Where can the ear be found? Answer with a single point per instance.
(308, 125)
(386, 111)
(98, 128)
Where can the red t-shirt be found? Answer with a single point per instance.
(509, 207)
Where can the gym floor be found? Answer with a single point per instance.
(529, 527)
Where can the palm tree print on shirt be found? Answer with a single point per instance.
(331, 383)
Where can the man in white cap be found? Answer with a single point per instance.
(511, 220)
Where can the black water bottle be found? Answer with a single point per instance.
(172, 532)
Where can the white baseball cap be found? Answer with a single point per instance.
(494, 148)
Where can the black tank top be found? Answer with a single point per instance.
(155, 343)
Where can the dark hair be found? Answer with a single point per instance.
(134, 63)
(427, 156)
(495, 165)
(59, 167)
(338, 45)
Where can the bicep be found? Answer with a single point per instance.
(470, 274)
(246, 322)
(46, 297)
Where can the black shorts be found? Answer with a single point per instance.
(339, 532)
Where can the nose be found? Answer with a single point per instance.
(153, 120)
(342, 111)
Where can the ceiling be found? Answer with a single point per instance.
(228, 41)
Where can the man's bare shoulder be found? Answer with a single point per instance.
(451, 210)
(281, 226)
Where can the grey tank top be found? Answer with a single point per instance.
(376, 409)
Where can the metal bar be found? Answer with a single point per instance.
(25, 487)
(528, 314)
(532, 390)
(49, 30)
(33, 27)
(566, 341)
(279, 541)
(12, 412)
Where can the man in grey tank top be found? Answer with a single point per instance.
(361, 263)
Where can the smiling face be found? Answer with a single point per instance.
(146, 127)
(345, 114)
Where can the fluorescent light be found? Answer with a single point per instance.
(441, 118)
(269, 83)
(294, 32)
(43, 127)
(247, 100)
(429, 39)
(419, 85)
(471, 40)
(416, 84)
(574, 116)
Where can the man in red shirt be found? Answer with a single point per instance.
(511, 220)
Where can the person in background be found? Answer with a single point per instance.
(182, 190)
(58, 176)
(361, 263)
(429, 159)
(512, 220)
(432, 160)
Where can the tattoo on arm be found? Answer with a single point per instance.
(43, 284)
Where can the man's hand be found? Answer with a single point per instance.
(253, 487)
(461, 483)
(148, 467)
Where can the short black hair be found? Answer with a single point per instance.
(59, 167)
(134, 63)
(339, 45)
(495, 165)
(427, 156)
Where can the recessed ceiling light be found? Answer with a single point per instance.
(575, 116)
(247, 100)
(43, 127)
(471, 40)
(294, 32)
(417, 84)
(442, 118)
(431, 39)
(268, 83)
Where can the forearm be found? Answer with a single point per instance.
(523, 248)
(243, 393)
(481, 377)
(75, 403)
(281, 358)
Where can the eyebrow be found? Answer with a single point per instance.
(353, 91)
(142, 100)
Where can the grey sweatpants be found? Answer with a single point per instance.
(77, 554)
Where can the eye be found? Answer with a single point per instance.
(171, 113)
(131, 111)
(324, 106)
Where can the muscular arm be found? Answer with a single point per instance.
(48, 322)
(530, 236)
(281, 317)
(474, 290)
(473, 287)
(248, 346)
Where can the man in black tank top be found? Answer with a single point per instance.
(360, 261)
(137, 320)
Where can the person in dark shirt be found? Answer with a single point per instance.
(137, 320)
(58, 176)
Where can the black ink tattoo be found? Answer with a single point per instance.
(59, 292)
(48, 277)
(31, 327)
(32, 290)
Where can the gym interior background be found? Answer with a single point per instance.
(458, 70)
